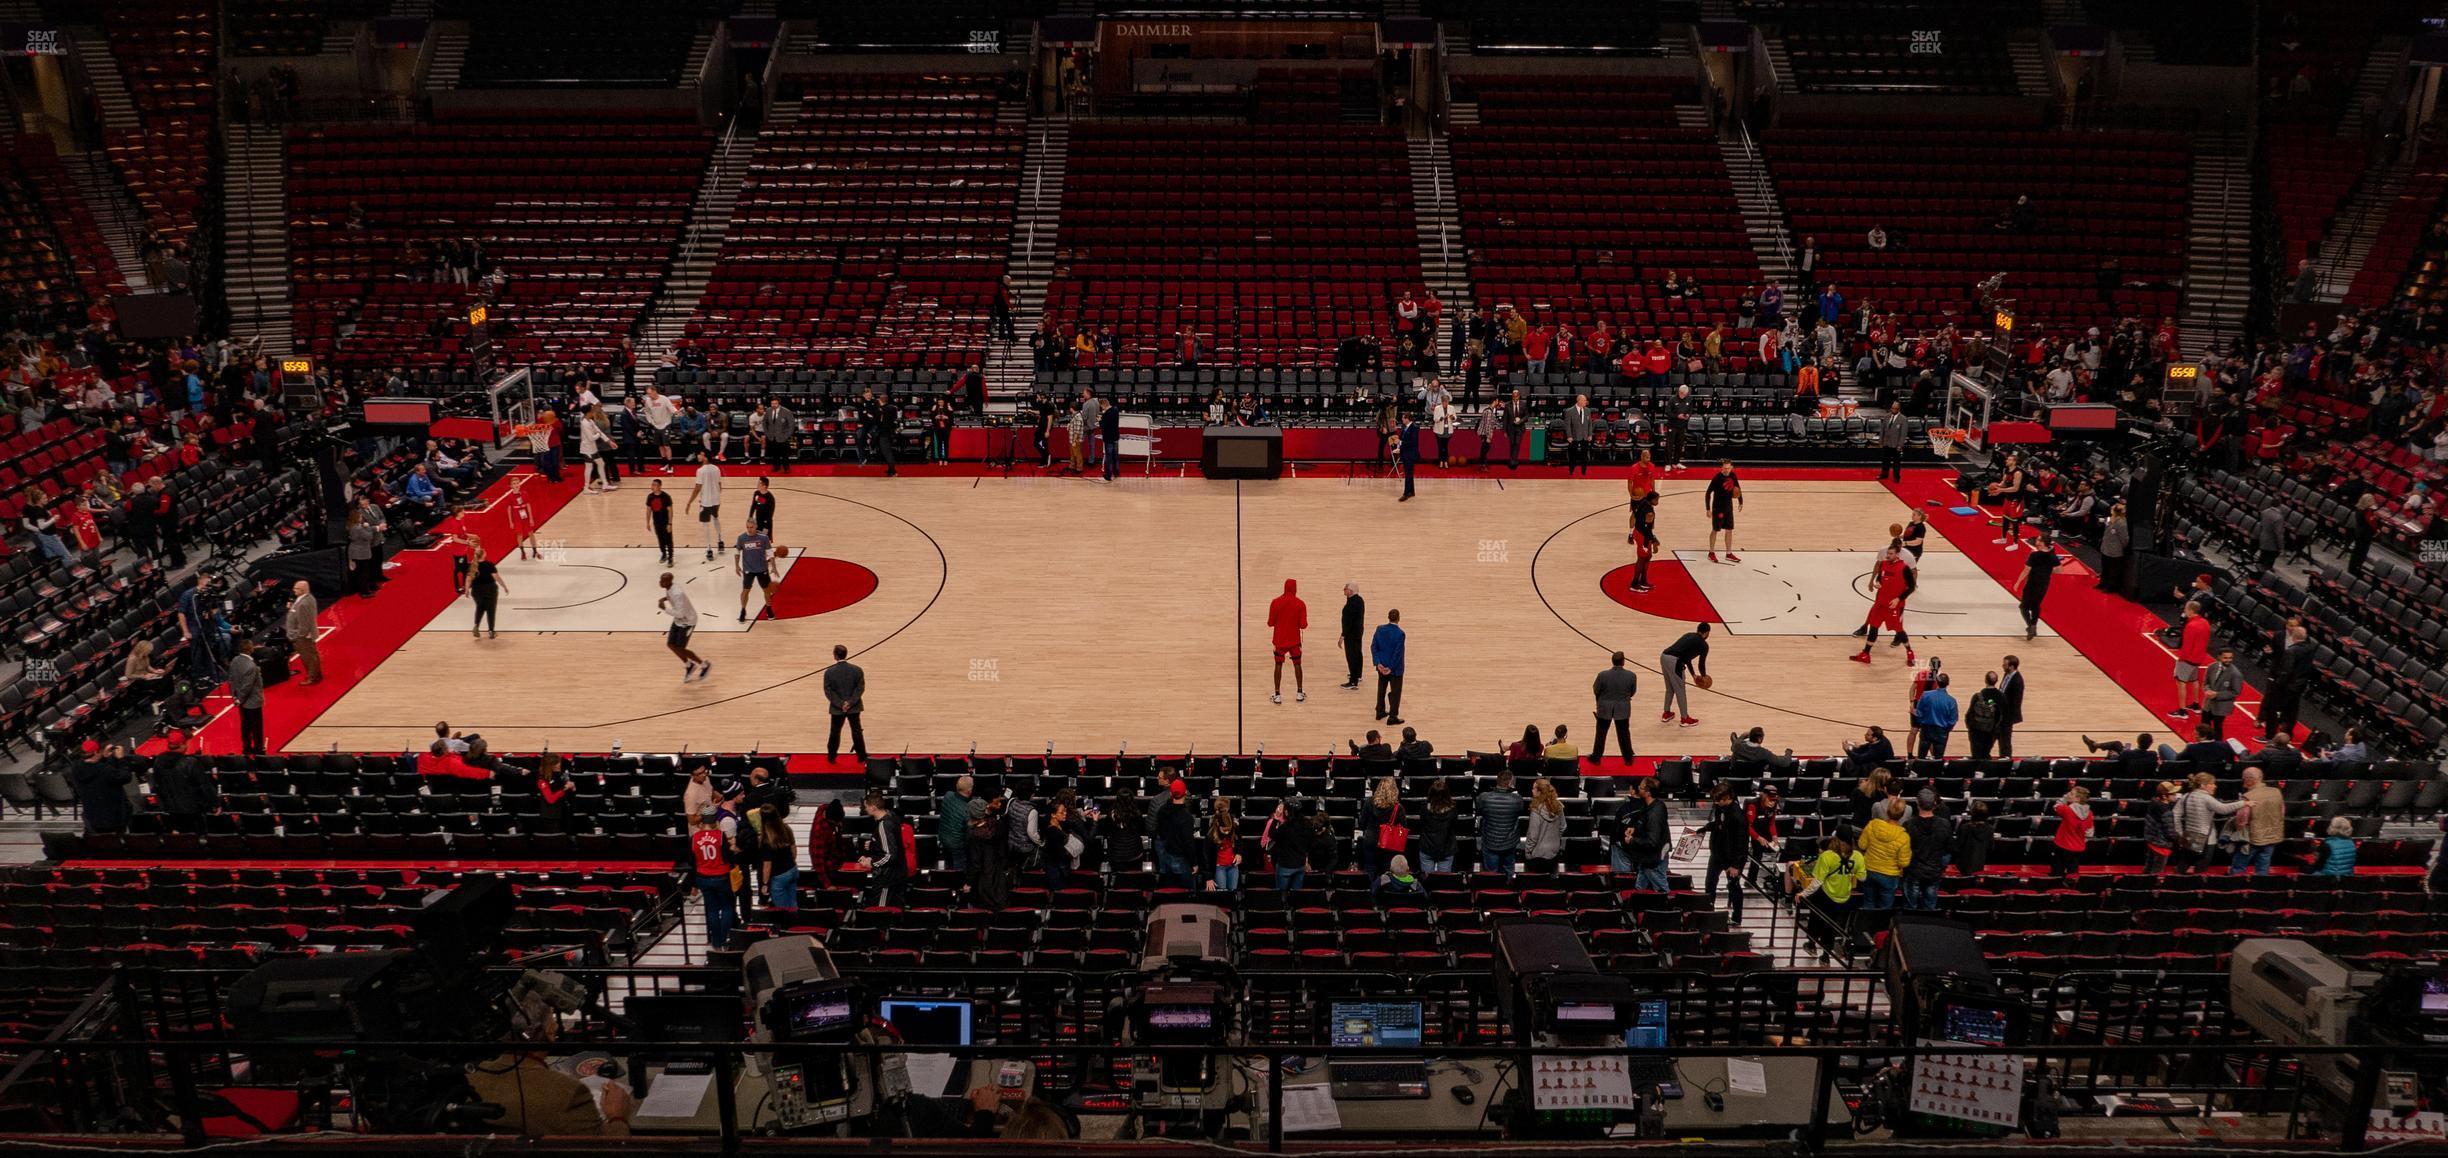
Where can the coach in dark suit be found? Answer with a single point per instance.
(2010, 686)
(1353, 611)
(1579, 429)
(844, 687)
(1410, 454)
(1614, 688)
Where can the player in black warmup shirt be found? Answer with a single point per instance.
(761, 506)
(2033, 585)
(1724, 498)
(658, 516)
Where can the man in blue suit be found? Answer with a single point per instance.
(1386, 648)
(1410, 461)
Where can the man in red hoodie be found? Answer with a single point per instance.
(1289, 617)
(2192, 655)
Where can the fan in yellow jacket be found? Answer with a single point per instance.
(1886, 850)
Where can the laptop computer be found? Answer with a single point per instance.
(1379, 1025)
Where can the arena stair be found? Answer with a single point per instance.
(450, 48)
(709, 222)
(1780, 62)
(255, 234)
(1443, 258)
(2349, 242)
(2031, 64)
(114, 212)
(2372, 84)
(2218, 246)
(1763, 212)
(1008, 369)
(110, 89)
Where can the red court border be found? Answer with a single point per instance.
(360, 634)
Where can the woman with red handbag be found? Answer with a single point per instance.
(1381, 831)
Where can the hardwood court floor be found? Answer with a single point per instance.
(1014, 614)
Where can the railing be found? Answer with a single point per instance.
(1765, 189)
(173, 1085)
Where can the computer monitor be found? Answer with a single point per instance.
(1648, 1028)
(686, 1018)
(1380, 1024)
(812, 1011)
(929, 1021)
(1972, 1024)
(2434, 994)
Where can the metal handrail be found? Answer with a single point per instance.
(1766, 190)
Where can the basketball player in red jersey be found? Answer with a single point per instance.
(522, 521)
(1641, 484)
(1289, 617)
(1895, 586)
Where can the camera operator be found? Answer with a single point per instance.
(539, 1101)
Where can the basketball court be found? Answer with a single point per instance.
(1014, 614)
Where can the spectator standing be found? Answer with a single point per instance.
(2288, 672)
(1499, 810)
(780, 858)
(1934, 717)
(1641, 837)
(887, 867)
(2221, 683)
(1386, 651)
(1124, 830)
(1984, 716)
(2073, 835)
(100, 782)
(2262, 825)
(1933, 835)
(2159, 828)
(2010, 684)
(246, 690)
(2270, 538)
(2192, 655)
(1886, 850)
(2115, 548)
(299, 622)
(1433, 832)
(1224, 845)
(1969, 854)
(952, 824)
(1543, 827)
(1380, 832)
(1177, 837)
(710, 870)
(1729, 845)
(1288, 845)
(1893, 431)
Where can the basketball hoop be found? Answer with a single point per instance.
(1944, 440)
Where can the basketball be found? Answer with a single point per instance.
(1703, 683)
(781, 552)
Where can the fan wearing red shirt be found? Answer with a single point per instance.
(2192, 655)
(1289, 617)
(1895, 585)
(1535, 345)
